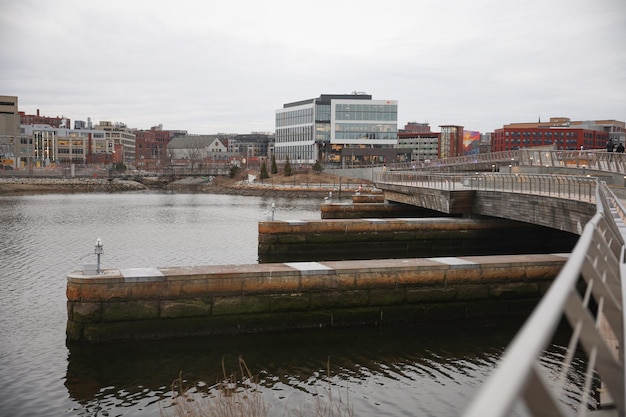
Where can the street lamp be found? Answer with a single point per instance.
(99, 250)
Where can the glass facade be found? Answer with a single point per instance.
(373, 122)
(306, 129)
(377, 112)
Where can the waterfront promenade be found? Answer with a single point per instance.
(588, 292)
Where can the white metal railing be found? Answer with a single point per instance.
(594, 159)
(589, 292)
(594, 308)
(560, 186)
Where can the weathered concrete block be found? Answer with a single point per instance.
(377, 279)
(72, 291)
(504, 273)
(107, 332)
(185, 308)
(105, 292)
(418, 276)
(241, 305)
(221, 286)
(543, 272)
(271, 284)
(320, 282)
(514, 290)
(151, 290)
(85, 312)
(463, 274)
(471, 292)
(385, 297)
(430, 295)
(130, 310)
(291, 239)
(341, 299)
(74, 331)
(290, 302)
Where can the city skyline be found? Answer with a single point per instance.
(227, 69)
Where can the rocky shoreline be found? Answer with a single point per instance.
(17, 186)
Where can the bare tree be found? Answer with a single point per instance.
(195, 153)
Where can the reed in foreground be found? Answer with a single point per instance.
(240, 397)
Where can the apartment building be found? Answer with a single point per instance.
(122, 139)
(559, 132)
(418, 137)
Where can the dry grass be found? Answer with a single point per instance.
(233, 397)
(239, 397)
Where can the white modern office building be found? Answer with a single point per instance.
(337, 127)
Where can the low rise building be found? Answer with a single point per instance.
(419, 138)
(559, 132)
(151, 147)
(193, 151)
(123, 140)
(10, 140)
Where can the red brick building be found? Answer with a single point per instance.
(151, 147)
(559, 132)
(36, 119)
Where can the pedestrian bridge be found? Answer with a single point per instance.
(589, 291)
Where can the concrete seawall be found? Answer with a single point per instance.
(156, 303)
(341, 239)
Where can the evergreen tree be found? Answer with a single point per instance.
(317, 167)
(264, 173)
(274, 169)
(287, 168)
(233, 171)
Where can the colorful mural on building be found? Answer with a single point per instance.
(471, 140)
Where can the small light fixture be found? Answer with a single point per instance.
(99, 250)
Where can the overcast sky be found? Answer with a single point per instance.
(225, 67)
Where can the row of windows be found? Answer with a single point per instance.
(366, 131)
(369, 108)
(373, 116)
(296, 153)
(546, 134)
(539, 141)
(75, 151)
(294, 134)
(294, 117)
(322, 132)
(322, 112)
(365, 136)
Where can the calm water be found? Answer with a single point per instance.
(427, 370)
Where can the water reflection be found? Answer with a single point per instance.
(441, 363)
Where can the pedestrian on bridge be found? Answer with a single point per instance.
(610, 146)
(620, 148)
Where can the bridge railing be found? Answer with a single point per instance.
(589, 291)
(598, 160)
(593, 159)
(560, 186)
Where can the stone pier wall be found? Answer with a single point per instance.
(156, 303)
(342, 239)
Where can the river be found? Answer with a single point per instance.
(412, 370)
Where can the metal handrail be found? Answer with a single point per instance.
(559, 186)
(589, 291)
(593, 159)
(594, 313)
